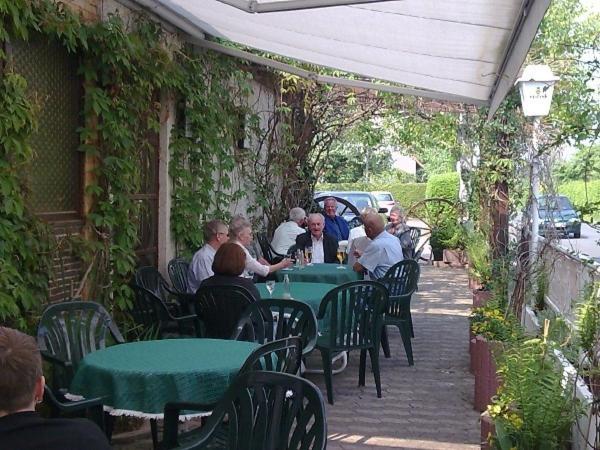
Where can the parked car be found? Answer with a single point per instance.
(385, 200)
(350, 203)
(557, 216)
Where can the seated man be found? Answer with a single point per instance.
(21, 387)
(324, 246)
(335, 225)
(285, 234)
(215, 234)
(382, 253)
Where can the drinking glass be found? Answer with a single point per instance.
(270, 285)
(340, 257)
(308, 255)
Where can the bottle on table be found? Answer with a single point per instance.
(286, 287)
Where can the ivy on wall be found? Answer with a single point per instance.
(124, 67)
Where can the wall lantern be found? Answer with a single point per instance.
(536, 86)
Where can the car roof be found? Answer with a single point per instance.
(333, 193)
(380, 192)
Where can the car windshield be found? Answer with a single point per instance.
(384, 197)
(361, 201)
(556, 203)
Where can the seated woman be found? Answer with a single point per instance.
(240, 233)
(399, 228)
(228, 265)
(21, 387)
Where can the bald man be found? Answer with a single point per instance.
(382, 253)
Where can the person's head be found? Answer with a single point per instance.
(330, 207)
(240, 229)
(21, 380)
(230, 259)
(367, 210)
(298, 215)
(315, 224)
(215, 233)
(397, 215)
(373, 225)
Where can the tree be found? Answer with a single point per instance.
(585, 165)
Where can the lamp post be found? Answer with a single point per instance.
(536, 87)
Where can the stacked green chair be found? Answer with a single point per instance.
(353, 313)
(66, 333)
(269, 320)
(156, 319)
(265, 411)
(401, 280)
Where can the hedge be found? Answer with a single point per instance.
(406, 194)
(443, 185)
(575, 190)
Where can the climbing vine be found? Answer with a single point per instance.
(125, 68)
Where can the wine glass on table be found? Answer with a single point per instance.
(340, 257)
(270, 285)
(308, 255)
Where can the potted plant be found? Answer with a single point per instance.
(534, 408)
(480, 266)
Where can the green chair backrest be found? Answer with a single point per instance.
(266, 411)
(354, 313)
(273, 319)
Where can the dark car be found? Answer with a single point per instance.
(558, 217)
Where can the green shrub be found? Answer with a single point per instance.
(480, 257)
(406, 194)
(575, 190)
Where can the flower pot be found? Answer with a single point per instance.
(487, 430)
(454, 257)
(481, 297)
(486, 379)
(438, 254)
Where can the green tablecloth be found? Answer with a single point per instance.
(138, 378)
(320, 273)
(309, 293)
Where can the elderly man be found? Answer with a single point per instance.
(324, 246)
(286, 233)
(382, 253)
(335, 225)
(215, 233)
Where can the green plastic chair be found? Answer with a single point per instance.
(282, 355)
(66, 333)
(265, 410)
(401, 280)
(354, 316)
(269, 320)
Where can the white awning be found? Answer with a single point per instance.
(466, 50)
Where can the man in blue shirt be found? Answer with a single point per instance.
(335, 225)
(382, 253)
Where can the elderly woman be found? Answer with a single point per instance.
(240, 232)
(21, 387)
(228, 265)
(398, 227)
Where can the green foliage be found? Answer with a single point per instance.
(202, 156)
(588, 322)
(491, 322)
(407, 194)
(534, 409)
(585, 197)
(583, 166)
(480, 257)
(24, 240)
(441, 211)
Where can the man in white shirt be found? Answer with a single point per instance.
(382, 253)
(324, 246)
(215, 234)
(285, 234)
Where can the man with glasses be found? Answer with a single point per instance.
(215, 233)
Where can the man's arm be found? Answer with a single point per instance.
(358, 267)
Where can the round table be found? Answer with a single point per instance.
(309, 293)
(138, 378)
(320, 273)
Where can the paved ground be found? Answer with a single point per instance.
(426, 406)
